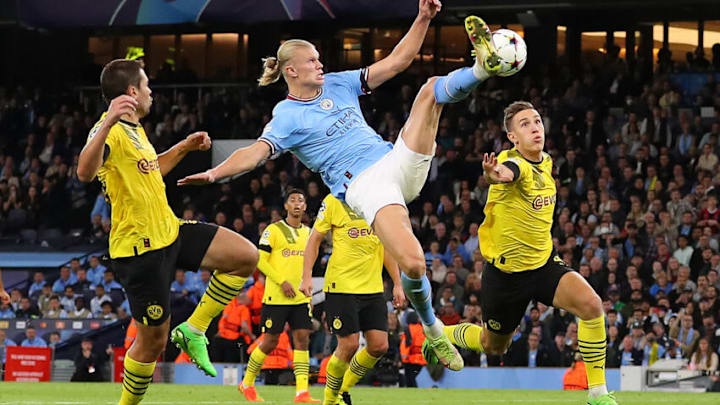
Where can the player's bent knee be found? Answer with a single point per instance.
(591, 308)
(378, 350)
(413, 266)
(351, 347)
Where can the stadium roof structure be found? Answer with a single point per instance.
(125, 13)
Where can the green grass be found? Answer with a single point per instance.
(167, 394)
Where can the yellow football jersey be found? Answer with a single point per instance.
(356, 263)
(130, 176)
(286, 246)
(519, 215)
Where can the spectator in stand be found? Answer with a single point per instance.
(97, 301)
(27, 310)
(80, 311)
(109, 282)
(95, 270)
(89, 365)
(55, 311)
(181, 287)
(82, 285)
(684, 252)
(54, 339)
(686, 335)
(43, 301)
(66, 279)
(628, 356)
(32, 339)
(68, 299)
(6, 311)
(703, 357)
(36, 287)
(108, 311)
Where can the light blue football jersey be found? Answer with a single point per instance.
(328, 133)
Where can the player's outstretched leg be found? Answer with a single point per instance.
(574, 294)
(235, 259)
(459, 84)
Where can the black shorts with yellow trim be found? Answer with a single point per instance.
(146, 278)
(351, 313)
(274, 317)
(504, 296)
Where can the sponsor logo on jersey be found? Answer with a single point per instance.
(291, 252)
(346, 122)
(539, 201)
(358, 232)
(146, 166)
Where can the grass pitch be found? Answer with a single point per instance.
(169, 394)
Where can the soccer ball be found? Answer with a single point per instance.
(512, 50)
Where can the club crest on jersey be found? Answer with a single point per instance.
(326, 104)
(154, 312)
(539, 202)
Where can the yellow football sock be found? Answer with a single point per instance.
(257, 357)
(301, 368)
(136, 380)
(465, 335)
(222, 289)
(336, 368)
(360, 364)
(593, 343)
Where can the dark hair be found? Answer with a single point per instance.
(513, 109)
(294, 191)
(117, 76)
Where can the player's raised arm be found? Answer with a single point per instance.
(311, 252)
(171, 157)
(93, 154)
(496, 173)
(404, 52)
(4, 297)
(241, 161)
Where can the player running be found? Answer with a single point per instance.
(147, 242)
(282, 245)
(521, 262)
(322, 124)
(354, 299)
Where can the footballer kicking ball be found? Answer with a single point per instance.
(512, 50)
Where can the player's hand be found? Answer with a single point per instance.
(398, 296)
(306, 287)
(429, 8)
(198, 179)
(489, 162)
(119, 106)
(198, 141)
(288, 289)
(4, 297)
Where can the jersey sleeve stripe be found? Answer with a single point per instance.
(273, 149)
(364, 74)
(266, 248)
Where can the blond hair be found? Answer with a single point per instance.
(513, 109)
(273, 65)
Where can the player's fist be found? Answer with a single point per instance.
(198, 179)
(4, 297)
(429, 8)
(306, 287)
(119, 106)
(288, 289)
(198, 141)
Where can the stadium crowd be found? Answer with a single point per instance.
(636, 165)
